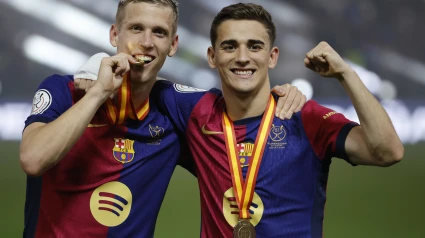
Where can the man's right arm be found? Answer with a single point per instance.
(44, 145)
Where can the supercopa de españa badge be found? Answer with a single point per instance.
(244, 229)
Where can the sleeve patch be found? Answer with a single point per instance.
(186, 89)
(41, 102)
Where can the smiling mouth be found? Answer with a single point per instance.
(243, 72)
(143, 59)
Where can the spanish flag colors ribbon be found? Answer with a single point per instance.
(244, 191)
(125, 108)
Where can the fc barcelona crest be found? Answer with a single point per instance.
(123, 150)
(245, 153)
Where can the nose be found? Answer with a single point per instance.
(242, 57)
(146, 41)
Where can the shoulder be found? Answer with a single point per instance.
(57, 79)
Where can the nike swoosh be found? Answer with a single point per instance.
(207, 132)
(97, 125)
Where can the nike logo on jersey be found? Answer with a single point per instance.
(97, 125)
(207, 132)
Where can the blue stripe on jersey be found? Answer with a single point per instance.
(32, 205)
(318, 208)
(340, 142)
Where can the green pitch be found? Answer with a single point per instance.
(362, 201)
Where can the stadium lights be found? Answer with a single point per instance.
(53, 54)
(69, 19)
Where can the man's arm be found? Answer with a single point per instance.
(375, 142)
(44, 145)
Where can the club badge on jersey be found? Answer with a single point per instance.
(123, 150)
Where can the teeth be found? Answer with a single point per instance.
(143, 58)
(240, 72)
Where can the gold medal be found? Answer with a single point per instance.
(244, 229)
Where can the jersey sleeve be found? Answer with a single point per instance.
(52, 99)
(326, 130)
(177, 102)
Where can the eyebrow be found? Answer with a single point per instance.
(234, 42)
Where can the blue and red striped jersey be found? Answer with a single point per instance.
(112, 182)
(290, 192)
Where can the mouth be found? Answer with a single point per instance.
(243, 72)
(143, 59)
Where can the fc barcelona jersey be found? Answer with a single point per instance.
(112, 182)
(290, 192)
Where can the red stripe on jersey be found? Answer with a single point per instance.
(322, 126)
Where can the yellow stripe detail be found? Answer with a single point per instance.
(144, 109)
(124, 92)
(111, 110)
(233, 158)
(261, 141)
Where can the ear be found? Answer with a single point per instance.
(211, 57)
(274, 55)
(174, 46)
(113, 35)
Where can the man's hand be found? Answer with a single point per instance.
(324, 60)
(291, 100)
(83, 84)
(111, 73)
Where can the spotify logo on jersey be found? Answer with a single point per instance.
(110, 204)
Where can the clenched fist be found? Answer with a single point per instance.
(324, 60)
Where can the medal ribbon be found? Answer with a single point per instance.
(244, 192)
(125, 105)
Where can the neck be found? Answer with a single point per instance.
(140, 91)
(246, 105)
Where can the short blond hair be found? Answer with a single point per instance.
(165, 3)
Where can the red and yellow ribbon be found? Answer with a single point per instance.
(125, 109)
(244, 191)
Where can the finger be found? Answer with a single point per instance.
(132, 60)
(295, 104)
(82, 85)
(289, 100)
(308, 64)
(280, 101)
(90, 84)
(77, 83)
(278, 90)
(301, 105)
(121, 67)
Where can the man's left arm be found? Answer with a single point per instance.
(375, 142)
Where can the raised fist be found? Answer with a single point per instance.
(324, 60)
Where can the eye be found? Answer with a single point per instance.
(255, 47)
(136, 28)
(229, 47)
(160, 32)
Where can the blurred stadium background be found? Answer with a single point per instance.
(383, 40)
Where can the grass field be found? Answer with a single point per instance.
(362, 201)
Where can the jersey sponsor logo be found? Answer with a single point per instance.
(231, 210)
(156, 133)
(186, 89)
(207, 132)
(110, 204)
(277, 135)
(123, 150)
(245, 153)
(329, 115)
(42, 100)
